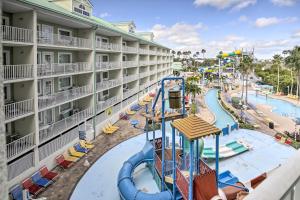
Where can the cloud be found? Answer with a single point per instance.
(225, 4)
(284, 2)
(296, 34)
(269, 21)
(103, 15)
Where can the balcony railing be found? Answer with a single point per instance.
(20, 145)
(129, 49)
(130, 78)
(144, 63)
(108, 46)
(64, 96)
(143, 51)
(102, 105)
(15, 34)
(62, 68)
(59, 127)
(127, 64)
(103, 66)
(18, 109)
(61, 40)
(152, 62)
(144, 74)
(17, 72)
(104, 85)
(152, 52)
(129, 93)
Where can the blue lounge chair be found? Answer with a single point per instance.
(39, 180)
(79, 148)
(17, 192)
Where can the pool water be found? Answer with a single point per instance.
(222, 117)
(280, 107)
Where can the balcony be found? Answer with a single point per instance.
(106, 103)
(60, 69)
(17, 72)
(18, 109)
(152, 62)
(19, 146)
(15, 34)
(105, 85)
(108, 46)
(143, 86)
(63, 41)
(64, 96)
(128, 64)
(152, 52)
(129, 92)
(49, 131)
(128, 49)
(144, 63)
(144, 74)
(130, 78)
(104, 66)
(143, 51)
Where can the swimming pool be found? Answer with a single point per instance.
(280, 107)
(222, 117)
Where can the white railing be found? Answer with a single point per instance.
(64, 124)
(108, 46)
(130, 78)
(127, 64)
(152, 52)
(18, 109)
(62, 68)
(20, 145)
(103, 66)
(129, 100)
(61, 40)
(152, 62)
(144, 74)
(102, 105)
(144, 63)
(143, 51)
(129, 49)
(129, 93)
(17, 72)
(15, 34)
(20, 165)
(104, 85)
(64, 96)
(143, 86)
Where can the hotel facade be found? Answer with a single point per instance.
(65, 70)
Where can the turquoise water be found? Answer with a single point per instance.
(222, 117)
(280, 107)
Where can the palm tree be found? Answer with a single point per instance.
(246, 67)
(293, 60)
(276, 62)
(192, 87)
(203, 51)
(179, 53)
(285, 53)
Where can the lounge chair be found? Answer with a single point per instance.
(142, 103)
(75, 153)
(108, 131)
(39, 180)
(63, 163)
(33, 189)
(17, 192)
(50, 175)
(112, 126)
(79, 148)
(130, 112)
(86, 145)
(68, 157)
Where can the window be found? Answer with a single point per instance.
(105, 58)
(65, 83)
(40, 87)
(105, 75)
(82, 10)
(124, 58)
(104, 40)
(98, 77)
(103, 96)
(124, 43)
(64, 57)
(65, 107)
(64, 34)
(7, 93)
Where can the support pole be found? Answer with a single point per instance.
(174, 162)
(191, 178)
(163, 130)
(217, 158)
(183, 151)
(197, 156)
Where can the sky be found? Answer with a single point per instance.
(267, 26)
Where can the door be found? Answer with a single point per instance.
(47, 58)
(48, 87)
(6, 57)
(46, 33)
(5, 21)
(49, 116)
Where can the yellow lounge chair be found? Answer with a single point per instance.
(75, 153)
(70, 158)
(147, 99)
(109, 128)
(86, 145)
(142, 103)
(112, 126)
(130, 112)
(106, 131)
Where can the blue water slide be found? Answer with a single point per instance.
(126, 186)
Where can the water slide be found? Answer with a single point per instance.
(126, 186)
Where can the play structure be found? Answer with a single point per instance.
(178, 170)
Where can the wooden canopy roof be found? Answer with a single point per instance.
(194, 127)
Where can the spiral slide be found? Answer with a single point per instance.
(126, 185)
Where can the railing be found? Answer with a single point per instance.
(62, 68)
(20, 165)
(17, 72)
(15, 34)
(64, 96)
(18, 109)
(107, 103)
(104, 85)
(152, 52)
(61, 40)
(144, 63)
(108, 46)
(64, 124)
(103, 66)
(20, 145)
(130, 78)
(127, 64)
(143, 86)
(129, 93)
(152, 62)
(129, 49)
(143, 51)
(182, 184)
(144, 74)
